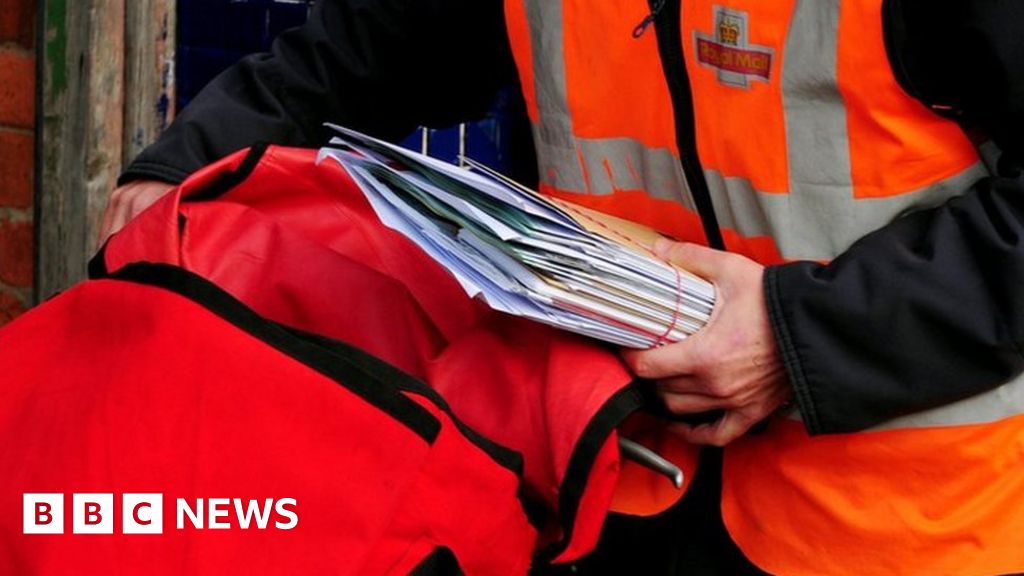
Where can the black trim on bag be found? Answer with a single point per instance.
(97, 267)
(440, 562)
(229, 180)
(383, 394)
(615, 410)
(501, 455)
(359, 359)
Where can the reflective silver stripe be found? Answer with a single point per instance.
(990, 154)
(599, 166)
(627, 164)
(816, 217)
(818, 224)
(817, 140)
(1001, 403)
(557, 156)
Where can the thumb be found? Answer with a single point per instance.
(694, 258)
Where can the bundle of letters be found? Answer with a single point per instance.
(527, 254)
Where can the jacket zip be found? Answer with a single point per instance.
(666, 15)
(656, 6)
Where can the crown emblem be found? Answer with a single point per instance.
(728, 31)
(727, 49)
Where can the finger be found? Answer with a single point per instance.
(667, 361)
(105, 226)
(704, 262)
(108, 215)
(128, 202)
(687, 384)
(691, 403)
(113, 220)
(146, 197)
(728, 428)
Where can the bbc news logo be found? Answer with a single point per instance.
(144, 513)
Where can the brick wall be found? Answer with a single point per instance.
(17, 122)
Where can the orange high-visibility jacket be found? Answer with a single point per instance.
(801, 141)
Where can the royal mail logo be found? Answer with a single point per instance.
(728, 51)
(143, 513)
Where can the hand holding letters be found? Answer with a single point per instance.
(525, 254)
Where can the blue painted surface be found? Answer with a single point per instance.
(213, 34)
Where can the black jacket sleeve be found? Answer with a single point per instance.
(929, 309)
(379, 66)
